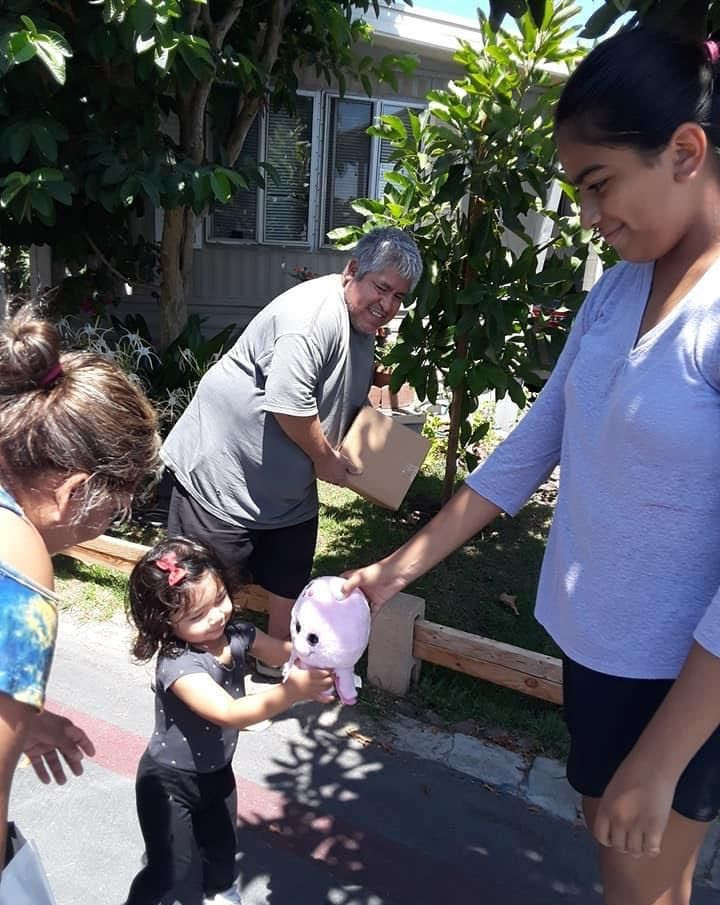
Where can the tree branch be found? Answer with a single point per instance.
(208, 23)
(266, 60)
(194, 15)
(226, 23)
(113, 270)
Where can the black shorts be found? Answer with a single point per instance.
(606, 715)
(278, 559)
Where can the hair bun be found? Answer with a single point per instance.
(29, 350)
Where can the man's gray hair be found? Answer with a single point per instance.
(388, 247)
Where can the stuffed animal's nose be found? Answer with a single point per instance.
(312, 639)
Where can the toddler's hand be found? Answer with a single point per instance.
(310, 684)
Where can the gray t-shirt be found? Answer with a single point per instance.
(181, 738)
(631, 571)
(298, 356)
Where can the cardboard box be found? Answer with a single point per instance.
(389, 454)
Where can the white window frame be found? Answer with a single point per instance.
(315, 178)
(374, 189)
(319, 159)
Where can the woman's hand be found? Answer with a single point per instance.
(49, 736)
(378, 582)
(635, 809)
(310, 684)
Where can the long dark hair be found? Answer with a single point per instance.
(635, 88)
(152, 602)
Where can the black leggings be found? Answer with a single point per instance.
(188, 821)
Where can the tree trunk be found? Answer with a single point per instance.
(453, 441)
(176, 249)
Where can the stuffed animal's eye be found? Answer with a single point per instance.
(313, 639)
(297, 626)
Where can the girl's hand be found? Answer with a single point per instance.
(634, 810)
(309, 684)
(378, 582)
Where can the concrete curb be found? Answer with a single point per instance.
(540, 780)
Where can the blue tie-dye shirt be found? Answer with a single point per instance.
(28, 628)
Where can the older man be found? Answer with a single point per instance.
(268, 418)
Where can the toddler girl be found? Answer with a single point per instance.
(185, 788)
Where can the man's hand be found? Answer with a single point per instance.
(334, 467)
(50, 736)
(634, 810)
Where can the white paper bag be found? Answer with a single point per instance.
(24, 881)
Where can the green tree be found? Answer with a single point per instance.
(110, 105)
(468, 175)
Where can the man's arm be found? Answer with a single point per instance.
(307, 433)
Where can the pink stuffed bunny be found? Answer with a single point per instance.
(329, 631)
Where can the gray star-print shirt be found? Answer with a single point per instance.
(181, 738)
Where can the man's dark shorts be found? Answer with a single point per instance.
(278, 559)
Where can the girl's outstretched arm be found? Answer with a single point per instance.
(270, 650)
(635, 808)
(207, 699)
(459, 519)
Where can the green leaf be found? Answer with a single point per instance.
(45, 141)
(196, 56)
(29, 24)
(601, 20)
(456, 374)
(19, 48)
(42, 202)
(14, 183)
(19, 142)
(60, 191)
(220, 186)
(52, 49)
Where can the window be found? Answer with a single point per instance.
(355, 163)
(281, 212)
(238, 218)
(287, 189)
(347, 170)
(292, 209)
(385, 165)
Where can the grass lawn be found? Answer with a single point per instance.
(462, 592)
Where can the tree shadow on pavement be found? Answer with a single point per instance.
(336, 816)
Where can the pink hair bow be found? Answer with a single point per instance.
(712, 50)
(168, 563)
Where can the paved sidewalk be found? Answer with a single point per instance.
(327, 816)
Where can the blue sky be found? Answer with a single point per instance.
(467, 8)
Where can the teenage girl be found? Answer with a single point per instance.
(631, 413)
(185, 788)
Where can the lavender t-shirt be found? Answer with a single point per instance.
(632, 565)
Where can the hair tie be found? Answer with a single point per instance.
(168, 563)
(712, 50)
(51, 376)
